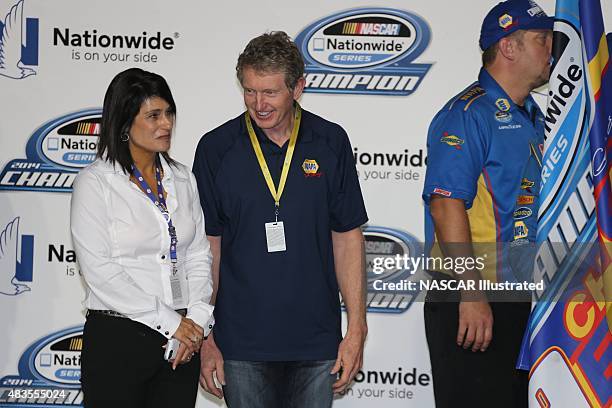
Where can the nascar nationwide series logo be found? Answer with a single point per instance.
(18, 42)
(16, 259)
(381, 242)
(365, 51)
(51, 365)
(55, 153)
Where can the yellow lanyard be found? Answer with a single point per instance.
(276, 194)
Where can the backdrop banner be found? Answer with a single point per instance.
(381, 69)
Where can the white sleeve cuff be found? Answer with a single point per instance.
(165, 320)
(202, 314)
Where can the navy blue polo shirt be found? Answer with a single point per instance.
(280, 306)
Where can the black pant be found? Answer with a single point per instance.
(122, 365)
(462, 378)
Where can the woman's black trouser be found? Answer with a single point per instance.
(122, 365)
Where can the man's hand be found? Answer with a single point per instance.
(350, 358)
(211, 366)
(455, 238)
(475, 325)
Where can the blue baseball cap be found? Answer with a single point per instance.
(511, 15)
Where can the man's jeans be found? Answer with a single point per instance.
(282, 384)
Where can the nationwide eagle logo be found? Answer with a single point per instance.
(16, 259)
(18, 43)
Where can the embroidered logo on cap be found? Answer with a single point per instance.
(505, 21)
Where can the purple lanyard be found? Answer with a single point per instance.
(160, 203)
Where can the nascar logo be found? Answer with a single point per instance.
(371, 29)
(452, 140)
(503, 117)
(310, 166)
(364, 51)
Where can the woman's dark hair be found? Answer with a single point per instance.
(124, 96)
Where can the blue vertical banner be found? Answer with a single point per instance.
(568, 345)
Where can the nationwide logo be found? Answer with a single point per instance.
(452, 140)
(93, 39)
(387, 243)
(18, 43)
(55, 153)
(51, 365)
(522, 213)
(566, 104)
(502, 104)
(505, 21)
(365, 51)
(16, 259)
(310, 167)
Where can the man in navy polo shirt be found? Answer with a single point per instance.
(283, 211)
(480, 193)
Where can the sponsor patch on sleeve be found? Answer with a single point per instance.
(440, 191)
(452, 140)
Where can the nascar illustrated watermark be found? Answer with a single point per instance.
(416, 273)
(365, 51)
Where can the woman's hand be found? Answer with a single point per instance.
(190, 335)
(183, 355)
